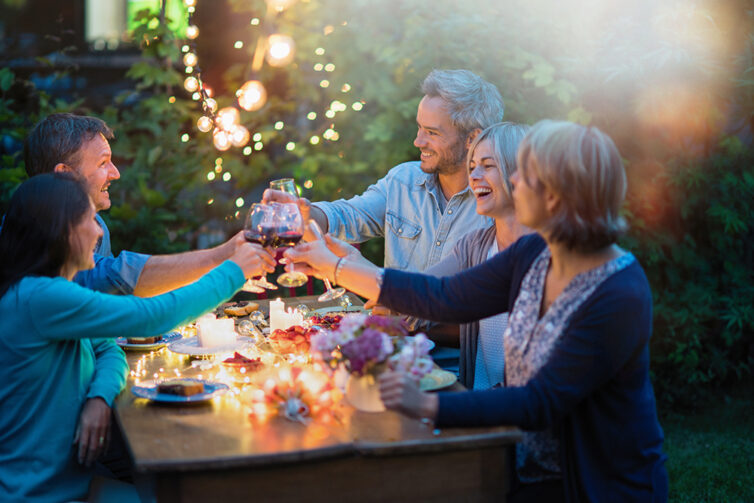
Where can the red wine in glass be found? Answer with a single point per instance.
(288, 238)
(266, 236)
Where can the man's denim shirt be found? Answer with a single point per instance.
(404, 209)
(115, 275)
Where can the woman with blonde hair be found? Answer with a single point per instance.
(491, 161)
(577, 341)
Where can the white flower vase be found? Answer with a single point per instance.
(363, 393)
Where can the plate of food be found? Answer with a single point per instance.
(192, 346)
(340, 310)
(437, 379)
(182, 390)
(238, 309)
(239, 366)
(147, 343)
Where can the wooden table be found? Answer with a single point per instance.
(215, 452)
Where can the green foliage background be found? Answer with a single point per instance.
(673, 85)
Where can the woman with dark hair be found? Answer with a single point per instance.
(577, 341)
(47, 323)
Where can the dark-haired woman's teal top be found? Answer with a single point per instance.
(47, 366)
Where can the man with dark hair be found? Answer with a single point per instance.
(79, 144)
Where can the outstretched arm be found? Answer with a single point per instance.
(163, 273)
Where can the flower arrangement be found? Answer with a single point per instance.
(368, 344)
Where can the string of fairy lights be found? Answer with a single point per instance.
(278, 50)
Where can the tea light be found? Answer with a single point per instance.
(213, 332)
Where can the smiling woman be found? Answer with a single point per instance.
(491, 160)
(83, 240)
(577, 340)
(57, 353)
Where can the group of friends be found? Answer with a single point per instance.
(501, 237)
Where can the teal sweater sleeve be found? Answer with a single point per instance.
(110, 372)
(65, 310)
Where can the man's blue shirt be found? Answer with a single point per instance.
(114, 275)
(406, 208)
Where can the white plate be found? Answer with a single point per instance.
(166, 338)
(437, 379)
(191, 346)
(338, 309)
(211, 390)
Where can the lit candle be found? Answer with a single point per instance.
(213, 332)
(277, 314)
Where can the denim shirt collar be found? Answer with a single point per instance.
(432, 183)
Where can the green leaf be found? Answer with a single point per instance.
(6, 79)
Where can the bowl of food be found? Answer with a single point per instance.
(292, 340)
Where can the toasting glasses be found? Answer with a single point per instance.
(290, 230)
(259, 228)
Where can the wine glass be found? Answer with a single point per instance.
(259, 228)
(331, 293)
(286, 185)
(289, 225)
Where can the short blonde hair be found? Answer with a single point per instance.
(583, 167)
(504, 138)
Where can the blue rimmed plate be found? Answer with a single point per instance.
(211, 390)
(166, 339)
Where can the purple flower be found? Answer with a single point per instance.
(372, 346)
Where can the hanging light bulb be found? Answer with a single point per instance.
(191, 84)
(210, 104)
(221, 139)
(192, 31)
(189, 3)
(228, 118)
(252, 95)
(190, 59)
(240, 136)
(204, 124)
(208, 90)
(280, 5)
(280, 50)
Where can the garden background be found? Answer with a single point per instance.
(671, 82)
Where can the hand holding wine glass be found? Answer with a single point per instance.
(330, 293)
(260, 228)
(253, 260)
(290, 229)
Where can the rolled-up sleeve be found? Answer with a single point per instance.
(360, 218)
(114, 275)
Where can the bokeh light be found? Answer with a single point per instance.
(280, 50)
(252, 95)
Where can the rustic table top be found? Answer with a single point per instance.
(221, 434)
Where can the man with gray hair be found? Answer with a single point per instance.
(422, 207)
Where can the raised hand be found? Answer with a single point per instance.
(314, 259)
(272, 195)
(253, 260)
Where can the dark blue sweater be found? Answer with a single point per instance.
(594, 390)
